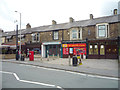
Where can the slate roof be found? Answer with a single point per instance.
(62, 26)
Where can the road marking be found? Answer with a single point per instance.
(77, 73)
(104, 77)
(37, 83)
(6, 72)
(16, 76)
(26, 81)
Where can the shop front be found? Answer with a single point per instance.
(73, 49)
(36, 47)
(51, 49)
(103, 49)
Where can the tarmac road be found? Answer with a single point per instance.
(28, 76)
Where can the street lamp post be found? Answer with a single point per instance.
(20, 35)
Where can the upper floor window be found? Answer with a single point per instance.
(38, 36)
(55, 33)
(35, 37)
(9, 38)
(74, 34)
(102, 30)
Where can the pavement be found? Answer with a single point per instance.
(102, 67)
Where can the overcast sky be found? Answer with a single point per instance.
(42, 12)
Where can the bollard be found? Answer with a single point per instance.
(48, 58)
(41, 59)
(69, 60)
(53, 57)
(84, 56)
(58, 56)
(80, 61)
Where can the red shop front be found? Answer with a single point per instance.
(74, 49)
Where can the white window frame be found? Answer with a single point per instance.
(77, 34)
(74, 33)
(33, 37)
(55, 35)
(106, 30)
(80, 33)
(37, 36)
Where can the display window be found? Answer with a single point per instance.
(79, 51)
(66, 51)
(75, 49)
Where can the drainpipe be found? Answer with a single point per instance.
(119, 49)
(87, 48)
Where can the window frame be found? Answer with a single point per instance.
(106, 30)
(73, 33)
(37, 37)
(55, 37)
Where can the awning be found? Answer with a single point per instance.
(6, 46)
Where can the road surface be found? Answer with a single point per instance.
(28, 76)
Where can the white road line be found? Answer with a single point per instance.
(16, 76)
(37, 83)
(6, 72)
(89, 75)
(26, 81)
(77, 73)
(103, 77)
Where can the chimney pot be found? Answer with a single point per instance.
(91, 16)
(71, 19)
(115, 12)
(54, 22)
(28, 26)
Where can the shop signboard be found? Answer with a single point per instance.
(74, 45)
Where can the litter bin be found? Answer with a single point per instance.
(75, 61)
(22, 58)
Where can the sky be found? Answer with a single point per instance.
(42, 12)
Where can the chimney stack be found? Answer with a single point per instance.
(115, 12)
(91, 16)
(54, 22)
(71, 19)
(28, 26)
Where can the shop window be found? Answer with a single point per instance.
(93, 49)
(102, 50)
(65, 51)
(114, 50)
(90, 49)
(96, 49)
(71, 50)
(54, 50)
(37, 51)
(50, 50)
(55, 33)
